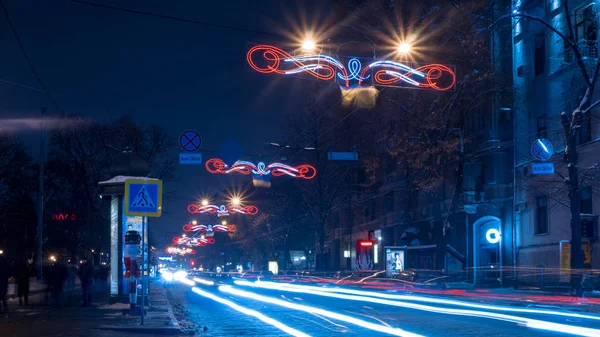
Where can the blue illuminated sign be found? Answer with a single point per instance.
(542, 168)
(542, 149)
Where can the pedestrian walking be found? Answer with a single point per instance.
(71, 279)
(4, 273)
(22, 277)
(86, 273)
(58, 278)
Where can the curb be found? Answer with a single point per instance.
(174, 321)
(153, 330)
(173, 327)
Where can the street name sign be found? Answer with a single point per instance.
(542, 168)
(342, 155)
(190, 158)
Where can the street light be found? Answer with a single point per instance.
(53, 258)
(404, 48)
(204, 202)
(308, 45)
(235, 201)
(223, 222)
(194, 222)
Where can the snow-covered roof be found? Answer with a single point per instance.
(121, 180)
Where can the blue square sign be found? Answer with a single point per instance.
(143, 198)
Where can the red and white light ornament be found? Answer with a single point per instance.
(269, 59)
(218, 166)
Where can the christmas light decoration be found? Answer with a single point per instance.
(428, 76)
(193, 241)
(180, 250)
(222, 210)
(209, 228)
(210, 209)
(275, 60)
(218, 166)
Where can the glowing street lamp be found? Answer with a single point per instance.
(223, 222)
(308, 45)
(194, 222)
(204, 202)
(404, 48)
(53, 258)
(235, 201)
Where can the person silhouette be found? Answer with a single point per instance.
(4, 274)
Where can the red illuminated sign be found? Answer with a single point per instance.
(64, 217)
(366, 243)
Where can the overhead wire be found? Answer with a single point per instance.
(27, 58)
(173, 18)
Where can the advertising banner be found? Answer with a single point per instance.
(394, 261)
(565, 261)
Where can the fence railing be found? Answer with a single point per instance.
(586, 48)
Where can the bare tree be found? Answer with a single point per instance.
(573, 123)
(81, 157)
(17, 180)
(422, 134)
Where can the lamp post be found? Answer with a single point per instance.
(40, 219)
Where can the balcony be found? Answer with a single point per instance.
(587, 48)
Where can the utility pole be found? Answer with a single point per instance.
(40, 258)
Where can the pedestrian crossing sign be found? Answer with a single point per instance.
(143, 197)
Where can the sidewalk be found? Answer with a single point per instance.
(100, 320)
(35, 287)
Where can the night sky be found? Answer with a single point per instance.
(104, 64)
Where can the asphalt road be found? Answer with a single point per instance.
(222, 320)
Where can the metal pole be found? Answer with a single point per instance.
(143, 265)
(40, 219)
(515, 244)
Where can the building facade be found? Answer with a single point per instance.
(548, 80)
(507, 220)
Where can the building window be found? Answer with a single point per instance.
(389, 202)
(541, 216)
(540, 54)
(585, 200)
(586, 23)
(542, 127)
(373, 211)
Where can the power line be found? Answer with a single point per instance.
(35, 73)
(173, 18)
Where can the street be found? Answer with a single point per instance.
(362, 319)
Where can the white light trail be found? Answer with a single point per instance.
(532, 323)
(428, 300)
(249, 312)
(203, 281)
(321, 312)
(183, 279)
